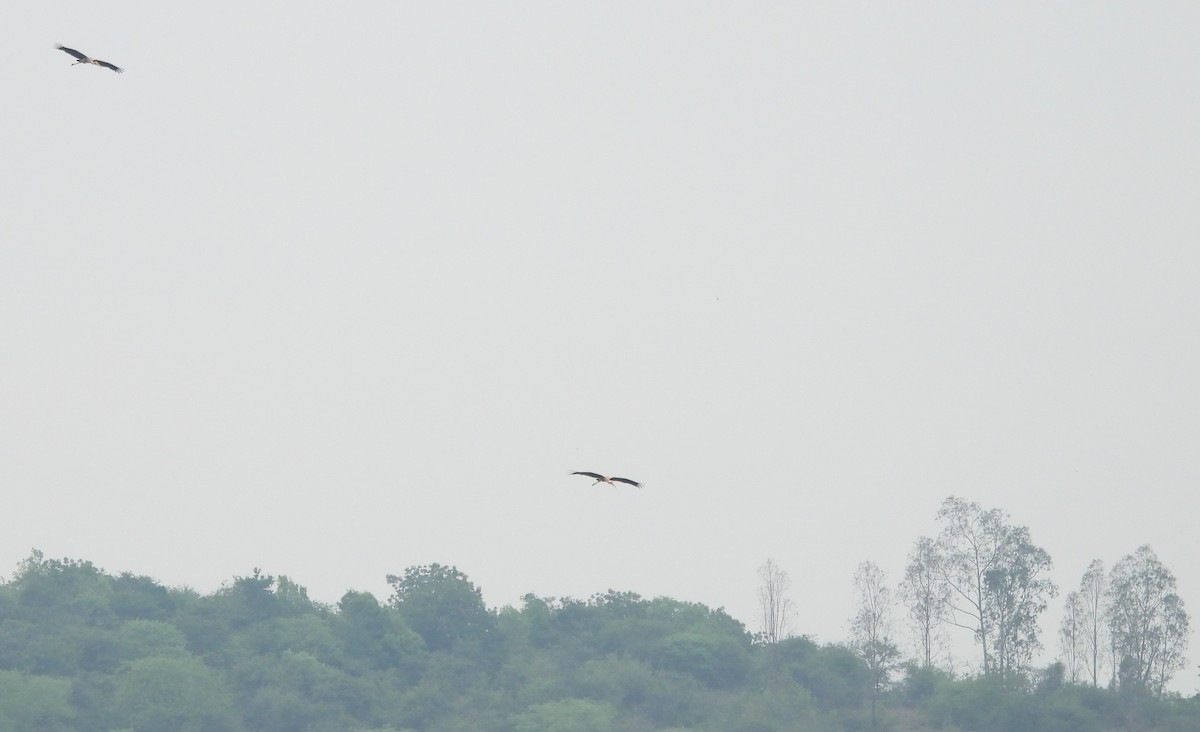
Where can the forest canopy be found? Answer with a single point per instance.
(85, 650)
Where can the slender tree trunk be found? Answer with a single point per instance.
(874, 694)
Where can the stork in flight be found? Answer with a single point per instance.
(82, 59)
(606, 479)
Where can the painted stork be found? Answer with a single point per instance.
(82, 59)
(606, 479)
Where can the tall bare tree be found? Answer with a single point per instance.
(871, 628)
(1071, 637)
(773, 602)
(1093, 593)
(926, 596)
(1148, 622)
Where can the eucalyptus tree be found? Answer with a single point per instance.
(927, 598)
(996, 580)
(1018, 591)
(1093, 598)
(1071, 642)
(1147, 620)
(871, 628)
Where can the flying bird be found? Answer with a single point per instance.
(82, 59)
(606, 479)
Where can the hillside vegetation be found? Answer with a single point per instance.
(84, 650)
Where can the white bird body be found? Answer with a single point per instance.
(607, 479)
(84, 59)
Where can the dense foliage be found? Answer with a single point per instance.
(83, 650)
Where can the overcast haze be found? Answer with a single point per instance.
(335, 289)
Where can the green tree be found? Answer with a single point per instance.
(921, 683)
(715, 659)
(141, 638)
(441, 605)
(775, 709)
(172, 693)
(452, 686)
(567, 715)
(55, 593)
(35, 703)
(835, 676)
(297, 692)
(253, 599)
(137, 597)
(205, 620)
(310, 633)
(661, 698)
(376, 637)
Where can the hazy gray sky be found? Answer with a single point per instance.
(335, 289)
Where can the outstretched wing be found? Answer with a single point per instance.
(73, 52)
(107, 65)
(633, 483)
(597, 476)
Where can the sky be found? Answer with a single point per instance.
(333, 290)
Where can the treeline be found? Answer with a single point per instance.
(984, 574)
(82, 650)
(1122, 638)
